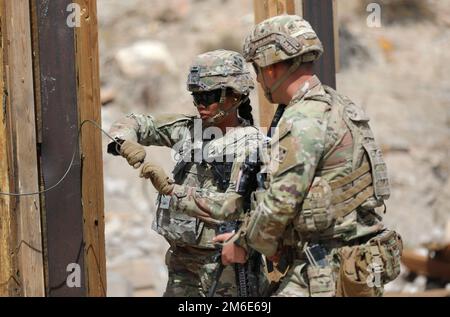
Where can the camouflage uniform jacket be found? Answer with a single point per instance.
(202, 174)
(322, 138)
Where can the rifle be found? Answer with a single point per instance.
(250, 180)
(246, 274)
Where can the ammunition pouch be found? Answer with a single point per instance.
(328, 203)
(321, 281)
(317, 214)
(365, 269)
(386, 249)
(173, 223)
(177, 228)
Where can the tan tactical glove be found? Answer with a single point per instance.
(158, 177)
(133, 152)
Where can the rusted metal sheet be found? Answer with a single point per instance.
(320, 14)
(59, 117)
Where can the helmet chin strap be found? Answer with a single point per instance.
(221, 114)
(269, 91)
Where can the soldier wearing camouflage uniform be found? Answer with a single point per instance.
(218, 80)
(326, 177)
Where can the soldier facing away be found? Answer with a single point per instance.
(220, 84)
(326, 178)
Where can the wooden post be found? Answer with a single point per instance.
(9, 284)
(22, 271)
(88, 74)
(265, 9)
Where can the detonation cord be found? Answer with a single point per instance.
(72, 161)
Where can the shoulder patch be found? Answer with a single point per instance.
(282, 154)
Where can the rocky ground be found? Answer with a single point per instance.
(398, 72)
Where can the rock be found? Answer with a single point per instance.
(418, 285)
(441, 212)
(148, 292)
(175, 11)
(118, 285)
(110, 11)
(145, 57)
(352, 51)
(137, 233)
(112, 227)
(114, 186)
(131, 253)
(107, 95)
(145, 273)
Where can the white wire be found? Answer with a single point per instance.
(70, 164)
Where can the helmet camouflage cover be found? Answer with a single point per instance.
(281, 38)
(220, 69)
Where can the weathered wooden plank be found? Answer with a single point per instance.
(337, 52)
(63, 207)
(5, 227)
(319, 13)
(23, 168)
(265, 9)
(87, 68)
(286, 7)
(38, 110)
(298, 7)
(260, 8)
(36, 70)
(426, 266)
(9, 285)
(272, 8)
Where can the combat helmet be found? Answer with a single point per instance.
(279, 39)
(220, 69)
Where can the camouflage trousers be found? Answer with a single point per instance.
(191, 273)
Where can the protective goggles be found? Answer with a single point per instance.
(207, 98)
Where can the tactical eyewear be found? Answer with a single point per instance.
(206, 98)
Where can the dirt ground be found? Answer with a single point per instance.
(398, 73)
